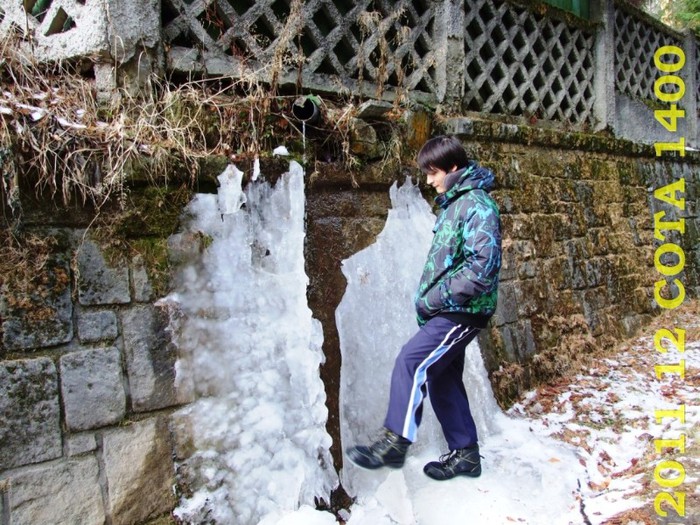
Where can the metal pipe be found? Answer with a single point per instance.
(306, 109)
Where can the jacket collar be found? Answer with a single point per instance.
(463, 180)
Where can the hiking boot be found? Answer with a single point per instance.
(388, 451)
(460, 462)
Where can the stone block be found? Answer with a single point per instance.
(594, 302)
(373, 109)
(150, 358)
(143, 291)
(41, 313)
(577, 220)
(576, 268)
(184, 59)
(509, 262)
(511, 178)
(77, 444)
(632, 118)
(30, 429)
(134, 25)
(419, 127)
(556, 272)
(347, 204)
(105, 82)
(364, 141)
(525, 339)
(4, 498)
(92, 388)
(97, 326)
(529, 295)
(185, 247)
(60, 493)
(459, 126)
(508, 342)
(100, 282)
(600, 244)
(139, 470)
(527, 269)
(505, 202)
(518, 226)
(548, 230)
(506, 309)
(525, 250)
(596, 271)
(563, 303)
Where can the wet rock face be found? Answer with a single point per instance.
(339, 223)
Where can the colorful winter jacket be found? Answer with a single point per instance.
(461, 272)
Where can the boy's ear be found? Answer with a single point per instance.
(453, 168)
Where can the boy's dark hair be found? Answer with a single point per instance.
(442, 153)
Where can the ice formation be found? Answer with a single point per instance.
(526, 479)
(255, 438)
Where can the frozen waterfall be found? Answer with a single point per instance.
(524, 477)
(252, 447)
(254, 441)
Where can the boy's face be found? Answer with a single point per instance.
(436, 178)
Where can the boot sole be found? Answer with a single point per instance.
(472, 474)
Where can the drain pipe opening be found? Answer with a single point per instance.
(306, 109)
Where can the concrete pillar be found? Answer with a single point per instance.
(603, 12)
(449, 53)
(690, 100)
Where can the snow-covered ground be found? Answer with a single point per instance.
(608, 414)
(577, 452)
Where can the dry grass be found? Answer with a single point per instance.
(23, 265)
(72, 146)
(59, 141)
(53, 127)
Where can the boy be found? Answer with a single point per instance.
(455, 299)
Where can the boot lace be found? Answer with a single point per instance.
(455, 456)
(448, 459)
(385, 440)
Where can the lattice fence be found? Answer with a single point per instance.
(636, 41)
(52, 19)
(377, 43)
(519, 62)
(517, 58)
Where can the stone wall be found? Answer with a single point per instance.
(578, 267)
(578, 264)
(86, 370)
